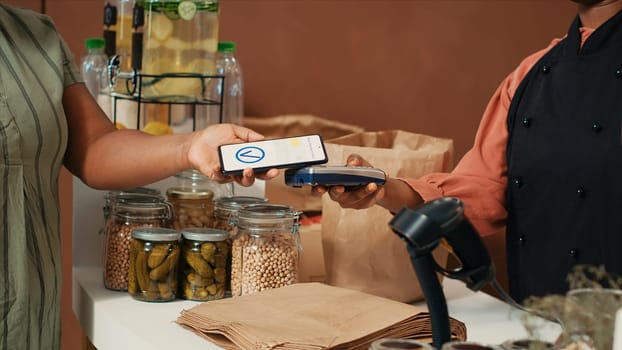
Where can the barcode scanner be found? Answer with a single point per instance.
(423, 228)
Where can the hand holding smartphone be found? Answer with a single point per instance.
(286, 152)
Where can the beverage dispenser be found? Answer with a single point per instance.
(171, 74)
(180, 44)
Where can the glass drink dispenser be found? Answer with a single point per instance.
(179, 47)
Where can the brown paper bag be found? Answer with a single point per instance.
(361, 252)
(293, 125)
(309, 316)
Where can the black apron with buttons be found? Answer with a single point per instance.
(564, 156)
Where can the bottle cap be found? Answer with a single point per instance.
(95, 43)
(226, 46)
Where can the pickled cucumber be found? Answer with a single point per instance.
(161, 272)
(158, 254)
(199, 265)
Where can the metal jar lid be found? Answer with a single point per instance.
(188, 193)
(156, 234)
(112, 196)
(266, 217)
(204, 234)
(140, 207)
(234, 203)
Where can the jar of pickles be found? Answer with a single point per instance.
(154, 258)
(225, 207)
(180, 43)
(203, 268)
(127, 213)
(265, 250)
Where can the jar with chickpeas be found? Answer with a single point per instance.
(193, 199)
(203, 267)
(112, 197)
(266, 248)
(127, 213)
(154, 260)
(226, 207)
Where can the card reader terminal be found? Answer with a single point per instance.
(326, 175)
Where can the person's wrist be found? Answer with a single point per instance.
(397, 195)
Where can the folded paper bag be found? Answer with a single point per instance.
(308, 316)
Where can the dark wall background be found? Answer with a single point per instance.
(426, 66)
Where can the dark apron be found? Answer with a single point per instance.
(564, 155)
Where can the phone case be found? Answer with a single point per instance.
(259, 169)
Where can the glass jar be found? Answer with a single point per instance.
(395, 344)
(180, 44)
(265, 250)
(193, 199)
(154, 258)
(126, 214)
(226, 207)
(204, 271)
(112, 197)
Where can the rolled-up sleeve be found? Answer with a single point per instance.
(480, 178)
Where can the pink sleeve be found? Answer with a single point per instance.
(480, 177)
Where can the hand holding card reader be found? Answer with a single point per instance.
(347, 176)
(286, 152)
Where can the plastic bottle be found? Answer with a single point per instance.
(94, 72)
(233, 98)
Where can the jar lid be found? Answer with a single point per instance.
(265, 213)
(137, 191)
(158, 234)
(141, 207)
(237, 202)
(204, 234)
(192, 175)
(188, 193)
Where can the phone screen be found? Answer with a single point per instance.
(275, 153)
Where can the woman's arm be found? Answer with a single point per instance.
(106, 158)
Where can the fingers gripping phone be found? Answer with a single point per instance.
(286, 152)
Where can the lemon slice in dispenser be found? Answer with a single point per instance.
(187, 10)
(157, 128)
(161, 27)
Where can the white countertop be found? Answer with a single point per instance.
(114, 320)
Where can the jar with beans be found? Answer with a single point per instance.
(193, 199)
(112, 197)
(265, 250)
(203, 267)
(127, 213)
(226, 207)
(154, 258)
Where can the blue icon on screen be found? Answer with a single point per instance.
(250, 154)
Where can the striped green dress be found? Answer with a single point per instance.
(35, 66)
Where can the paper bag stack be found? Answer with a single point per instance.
(309, 316)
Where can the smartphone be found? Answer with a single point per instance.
(347, 176)
(286, 152)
